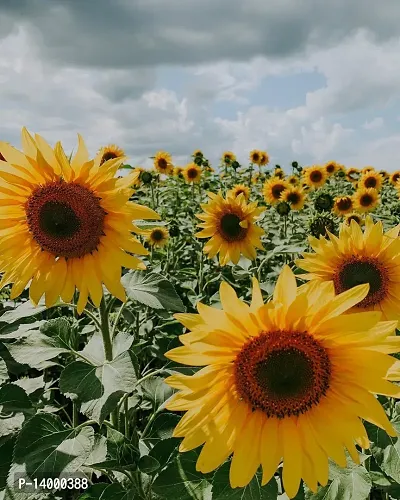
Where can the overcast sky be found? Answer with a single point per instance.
(307, 80)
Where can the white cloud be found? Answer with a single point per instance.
(374, 124)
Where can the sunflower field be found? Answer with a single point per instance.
(225, 332)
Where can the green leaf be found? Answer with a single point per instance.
(31, 385)
(164, 425)
(22, 311)
(386, 451)
(148, 464)
(17, 331)
(11, 425)
(35, 350)
(109, 492)
(164, 450)
(60, 330)
(181, 480)
(98, 454)
(121, 453)
(154, 389)
(14, 399)
(48, 449)
(98, 388)
(152, 290)
(3, 371)
(222, 490)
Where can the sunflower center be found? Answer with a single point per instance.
(293, 198)
(396, 177)
(366, 200)
(344, 204)
(65, 219)
(192, 173)
(315, 176)
(330, 168)
(230, 227)
(282, 373)
(256, 157)
(277, 191)
(2, 157)
(162, 163)
(370, 182)
(356, 271)
(157, 235)
(108, 156)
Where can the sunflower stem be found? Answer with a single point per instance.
(153, 200)
(108, 348)
(193, 196)
(250, 174)
(75, 415)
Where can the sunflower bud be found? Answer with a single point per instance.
(235, 165)
(295, 164)
(283, 208)
(323, 202)
(146, 177)
(206, 185)
(321, 224)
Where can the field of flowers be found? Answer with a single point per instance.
(205, 332)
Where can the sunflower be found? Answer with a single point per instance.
(366, 200)
(255, 178)
(331, 167)
(343, 205)
(278, 172)
(255, 156)
(66, 224)
(294, 196)
(385, 175)
(315, 176)
(264, 158)
(192, 173)
(365, 170)
(163, 163)
(352, 174)
(371, 180)
(293, 180)
(240, 189)
(198, 153)
(228, 157)
(357, 257)
(355, 217)
(157, 236)
(395, 177)
(289, 380)
(273, 188)
(178, 171)
(230, 224)
(109, 152)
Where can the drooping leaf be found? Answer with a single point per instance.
(14, 399)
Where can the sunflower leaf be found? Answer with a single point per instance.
(3, 371)
(98, 388)
(6, 453)
(14, 399)
(152, 290)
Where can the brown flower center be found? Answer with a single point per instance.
(344, 203)
(370, 182)
(2, 157)
(192, 173)
(330, 168)
(65, 219)
(255, 157)
(315, 176)
(293, 198)
(366, 200)
(108, 156)
(277, 190)
(359, 270)
(282, 373)
(230, 228)
(157, 235)
(162, 163)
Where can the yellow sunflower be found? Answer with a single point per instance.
(255, 156)
(240, 189)
(395, 177)
(192, 173)
(278, 172)
(315, 176)
(264, 158)
(365, 170)
(289, 380)
(331, 167)
(343, 205)
(66, 224)
(359, 257)
(163, 163)
(385, 175)
(230, 223)
(178, 171)
(295, 197)
(371, 180)
(293, 180)
(109, 152)
(273, 188)
(352, 174)
(355, 217)
(366, 200)
(197, 152)
(157, 236)
(228, 157)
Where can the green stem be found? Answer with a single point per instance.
(250, 174)
(118, 317)
(75, 415)
(126, 419)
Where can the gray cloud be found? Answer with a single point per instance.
(127, 33)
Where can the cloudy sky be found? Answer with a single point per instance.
(307, 80)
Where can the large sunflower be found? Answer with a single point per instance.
(273, 188)
(331, 167)
(230, 225)
(109, 152)
(366, 200)
(371, 179)
(255, 156)
(163, 163)
(295, 196)
(65, 224)
(359, 257)
(192, 173)
(315, 176)
(288, 380)
(343, 205)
